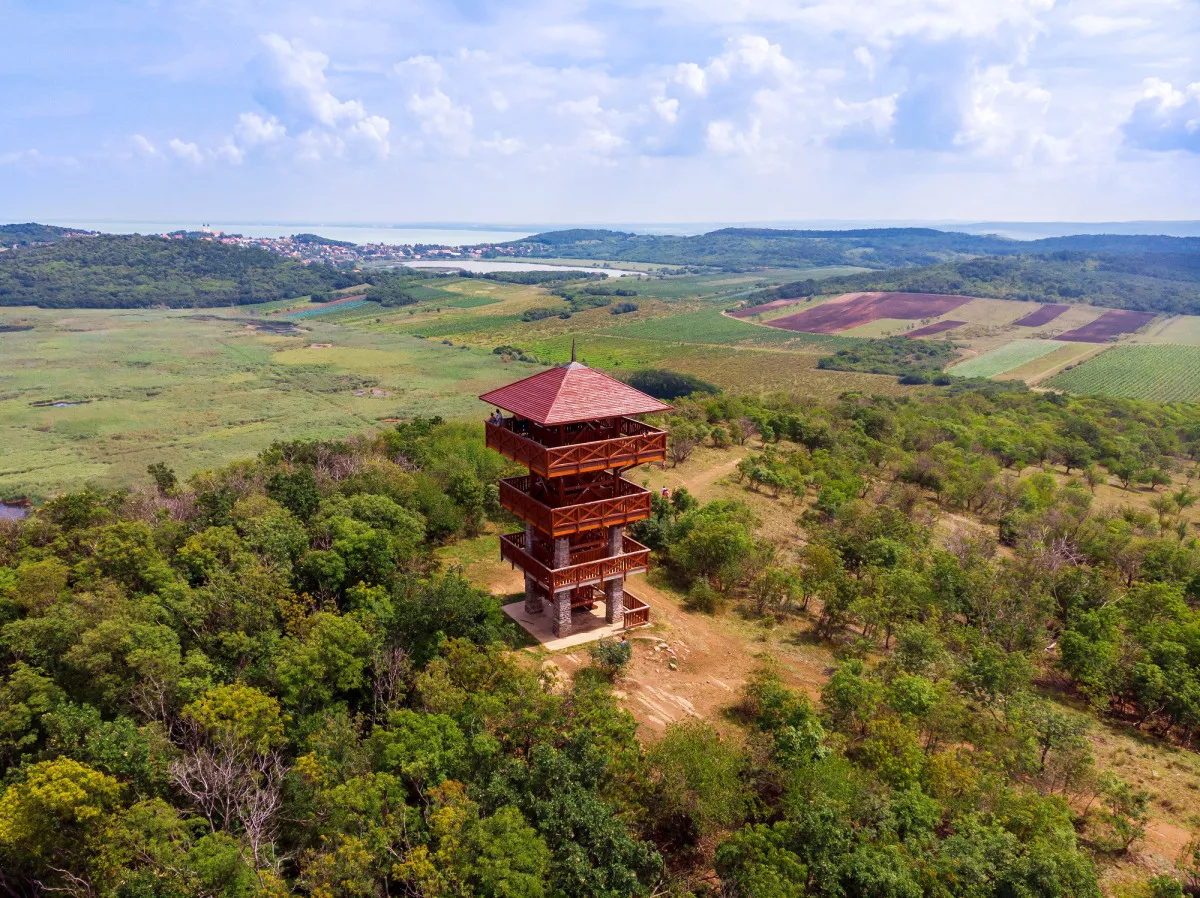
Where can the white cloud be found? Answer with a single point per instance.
(252, 129)
(1009, 118)
(142, 146)
(188, 152)
(589, 107)
(693, 77)
(229, 152)
(1092, 25)
(865, 58)
(1166, 118)
(35, 157)
(667, 109)
(724, 138)
(505, 146)
(440, 117)
(297, 75)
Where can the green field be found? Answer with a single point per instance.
(1006, 358)
(710, 326)
(1160, 372)
(200, 390)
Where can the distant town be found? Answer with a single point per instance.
(310, 248)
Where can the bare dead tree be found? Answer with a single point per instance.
(389, 669)
(232, 782)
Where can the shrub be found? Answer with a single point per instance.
(667, 385)
(702, 597)
(611, 655)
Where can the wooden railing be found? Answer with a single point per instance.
(637, 613)
(631, 503)
(636, 444)
(587, 566)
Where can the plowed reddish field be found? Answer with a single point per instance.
(854, 309)
(1110, 324)
(765, 307)
(936, 328)
(1042, 315)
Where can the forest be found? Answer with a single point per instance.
(261, 681)
(30, 233)
(127, 272)
(739, 249)
(1149, 282)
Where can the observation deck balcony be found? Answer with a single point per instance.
(589, 565)
(602, 504)
(577, 448)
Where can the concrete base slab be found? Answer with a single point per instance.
(586, 626)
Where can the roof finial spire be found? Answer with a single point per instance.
(572, 349)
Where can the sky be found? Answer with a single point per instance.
(623, 111)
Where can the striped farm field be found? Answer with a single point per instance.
(1161, 372)
(1005, 358)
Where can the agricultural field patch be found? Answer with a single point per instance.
(854, 309)
(1113, 323)
(1005, 358)
(712, 326)
(731, 368)
(1161, 372)
(1051, 363)
(938, 327)
(1043, 315)
(1183, 330)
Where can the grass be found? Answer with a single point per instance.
(1160, 372)
(710, 326)
(199, 391)
(1006, 358)
(1183, 330)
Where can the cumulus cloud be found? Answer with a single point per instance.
(185, 150)
(1166, 118)
(295, 80)
(253, 129)
(1009, 118)
(142, 146)
(440, 117)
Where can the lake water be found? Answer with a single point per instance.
(12, 512)
(483, 267)
(396, 236)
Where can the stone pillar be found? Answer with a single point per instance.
(614, 600)
(562, 552)
(560, 624)
(533, 596)
(616, 540)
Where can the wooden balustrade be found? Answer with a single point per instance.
(588, 566)
(630, 504)
(636, 444)
(637, 612)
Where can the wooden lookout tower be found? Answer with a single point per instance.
(576, 431)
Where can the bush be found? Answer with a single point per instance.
(702, 597)
(667, 385)
(622, 308)
(537, 314)
(611, 655)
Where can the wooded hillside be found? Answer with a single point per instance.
(1151, 282)
(124, 272)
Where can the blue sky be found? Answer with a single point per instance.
(637, 110)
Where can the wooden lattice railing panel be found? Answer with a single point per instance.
(637, 612)
(588, 566)
(637, 444)
(631, 504)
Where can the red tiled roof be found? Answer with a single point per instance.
(570, 394)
